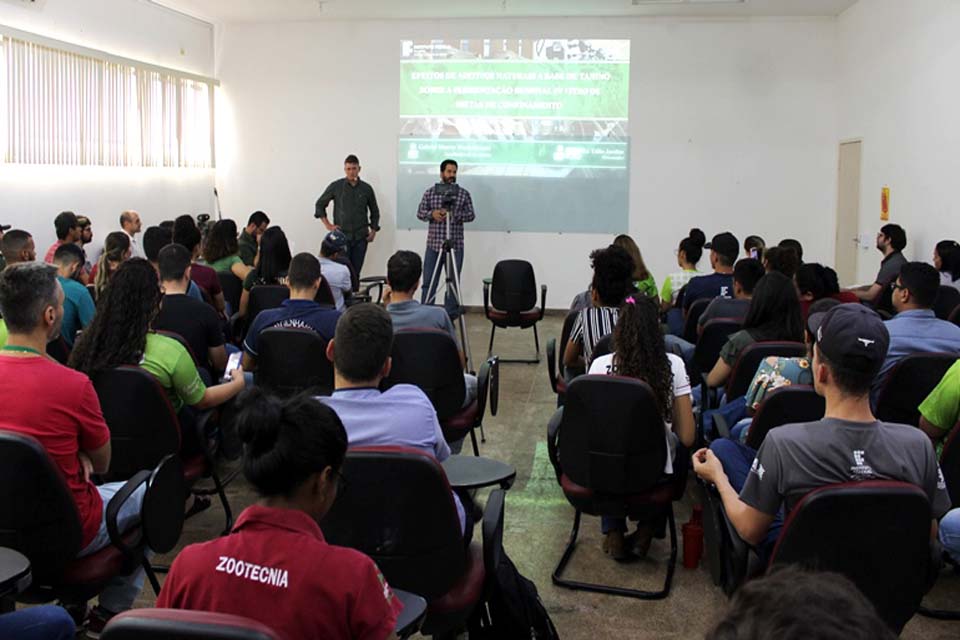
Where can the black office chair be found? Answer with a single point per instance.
(851, 528)
(292, 360)
(399, 510)
(908, 383)
(691, 328)
(948, 299)
(144, 428)
(616, 470)
(429, 359)
(232, 287)
(750, 358)
(555, 366)
(706, 353)
(184, 624)
(785, 405)
(510, 300)
(39, 518)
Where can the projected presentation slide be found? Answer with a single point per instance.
(538, 128)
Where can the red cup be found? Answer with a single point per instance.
(692, 544)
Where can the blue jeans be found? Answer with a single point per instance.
(121, 591)
(430, 258)
(950, 533)
(357, 253)
(48, 622)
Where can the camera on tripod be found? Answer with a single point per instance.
(203, 222)
(448, 192)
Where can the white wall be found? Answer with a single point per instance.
(899, 92)
(33, 195)
(733, 126)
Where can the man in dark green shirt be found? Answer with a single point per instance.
(352, 198)
(247, 242)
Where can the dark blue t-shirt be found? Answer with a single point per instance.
(712, 285)
(293, 314)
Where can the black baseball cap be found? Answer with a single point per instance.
(4, 227)
(851, 336)
(335, 240)
(725, 244)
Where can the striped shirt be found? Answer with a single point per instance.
(591, 325)
(437, 232)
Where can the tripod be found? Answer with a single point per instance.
(446, 261)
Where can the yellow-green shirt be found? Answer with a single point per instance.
(173, 367)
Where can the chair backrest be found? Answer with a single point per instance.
(429, 359)
(948, 299)
(750, 358)
(183, 624)
(292, 360)
(604, 346)
(514, 286)
(714, 335)
(354, 276)
(612, 435)
(909, 383)
(565, 332)
(266, 296)
(785, 405)
(950, 465)
(38, 516)
(398, 509)
(232, 287)
(143, 425)
(877, 533)
(694, 311)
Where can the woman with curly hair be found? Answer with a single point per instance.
(120, 335)
(272, 264)
(221, 251)
(639, 353)
(116, 249)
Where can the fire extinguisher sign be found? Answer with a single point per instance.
(885, 204)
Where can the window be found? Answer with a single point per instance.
(59, 106)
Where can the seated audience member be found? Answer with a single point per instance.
(774, 314)
(753, 247)
(612, 281)
(790, 243)
(335, 273)
(299, 311)
(186, 233)
(221, 251)
(78, 307)
(891, 240)
(46, 622)
(86, 237)
(196, 321)
(120, 335)
(18, 246)
(273, 262)
(915, 328)
(403, 277)
(724, 250)
(275, 566)
(155, 239)
(851, 341)
(248, 243)
(946, 260)
(639, 353)
(782, 259)
(793, 602)
(68, 232)
(130, 226)
(813, 284)
(643, 280)
(688, 255)
(940, 410)
(746, 273)
(68, 423)
(116, 249)
(400, 416)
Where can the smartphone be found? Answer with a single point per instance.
(232, 363)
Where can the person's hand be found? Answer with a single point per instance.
(371, 235)
(439, 214)
(86, 466)
(236, 377)
(707, 465)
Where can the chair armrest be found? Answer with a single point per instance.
(365, 291)
(543, 300)
(116, 503)
(492, 530)
(486, 298)
(552, 363)
(373, 280)
(488, 384)
(414, 611)
(739, 555)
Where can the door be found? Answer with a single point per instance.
(848, 213)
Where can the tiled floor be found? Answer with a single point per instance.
(538, 521)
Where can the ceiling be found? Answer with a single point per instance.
(222, 11)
